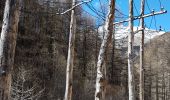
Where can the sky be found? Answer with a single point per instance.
(161, 20)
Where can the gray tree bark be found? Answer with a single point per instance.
(7, 45)
(70, 57)
(131, 81)
(107, 39)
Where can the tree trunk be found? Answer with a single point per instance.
(131, 81)
(7, 45)
(141, 83)
(150, 81)
(107, 39)
(157, 88)
(112, 59)
(70, 57)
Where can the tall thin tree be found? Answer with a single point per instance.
(7, 45)
(107, 39)
(141, 87)
(131, 81)
(70, 57)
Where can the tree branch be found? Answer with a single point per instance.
(78, 4)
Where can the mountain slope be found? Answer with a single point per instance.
(121, 35)
(157, 71)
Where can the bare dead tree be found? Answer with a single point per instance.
(99, 95)
(131, 80)
(7, 45)
(20, 91)
(70, 57)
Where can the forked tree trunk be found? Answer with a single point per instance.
(131, 81)
(107, 39)
(7, 45)
(70, 57)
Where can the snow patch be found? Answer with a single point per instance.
(121, 34)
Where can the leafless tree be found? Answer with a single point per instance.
(70, 57)
(7, 45)
(99, 94)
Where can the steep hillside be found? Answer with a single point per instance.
(41, 53)
(121, 35)
(157, 67)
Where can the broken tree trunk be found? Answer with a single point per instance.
(70, 57)
(107, 39)
(7, 45)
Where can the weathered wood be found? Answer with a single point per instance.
(8, 44)
(144, 16)
(100, 87)
(70, 57)
(131, 80)
(141, 83)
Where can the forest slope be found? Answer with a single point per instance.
(157, 62)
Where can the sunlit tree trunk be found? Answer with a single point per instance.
(7, 45)
(107, 39)
(131, 81)
(70, 57)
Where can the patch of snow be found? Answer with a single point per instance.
(121, 34)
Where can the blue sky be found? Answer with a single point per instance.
(122, 5)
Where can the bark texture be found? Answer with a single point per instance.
(131, 81)
(70, 57)
(7, 45)
(107, 39)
